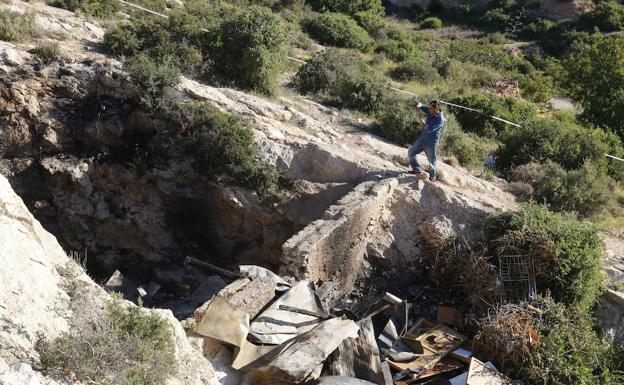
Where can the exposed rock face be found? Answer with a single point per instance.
(386, 221)
(40, 283)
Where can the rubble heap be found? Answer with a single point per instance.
(265, 329)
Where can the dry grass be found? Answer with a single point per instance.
(464, 271)
(506, 333)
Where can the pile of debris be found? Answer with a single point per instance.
(271, 330)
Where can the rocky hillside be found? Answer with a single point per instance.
(70, 132)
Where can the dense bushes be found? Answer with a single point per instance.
(324, 70)
(247, 46)
(121, 346)
(350, 7)
(153, 37)
(566, 251)
(16, 26)
(397, 49)
(337, 30)
(220, 144)
(470, 150)
(342, 78)
(97, 8)
(536, 87)
(153, 79)
(560, 141)
(587, 190)
(400, 122)
(594, 80)
(608, 16)
(416, 69)
(252, 48)
(508, 108)
(483, 53)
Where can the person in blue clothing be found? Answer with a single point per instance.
(429, 139)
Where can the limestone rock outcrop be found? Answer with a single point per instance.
(40, 283)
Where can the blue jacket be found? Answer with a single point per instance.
(433, 126)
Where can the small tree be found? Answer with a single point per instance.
(594, 79)
(252, 48)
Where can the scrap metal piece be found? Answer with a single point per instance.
(224, 322)
(257, 272)
(517, 274)
(304, 311)
(340, 380)
(294, 361)
(208, 266)
(358, 357)
(275, 326)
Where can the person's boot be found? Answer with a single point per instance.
(433, 180)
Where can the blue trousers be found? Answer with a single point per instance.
(429, 149)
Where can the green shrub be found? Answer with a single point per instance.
(252, 50)
(16, 26)
(370, 21)
(400, 121)
(416, 69)
(587, 191)
(397, 50)
(570, 352)
(153, 79)
(151, 36)
(337, 30)
(469, 150)
(98, 8)
(563, 142)
(324, 70)
(121, 346)
(566, 251)
(536, 87)
(350, 7)
(361, 91)
(221, 144)
(343, 78)
(431, 23)
(508, 108)
(608, 17)
(469, 75)
(47, 52)
(484, 53)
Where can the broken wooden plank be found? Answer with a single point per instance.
(436, 343)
